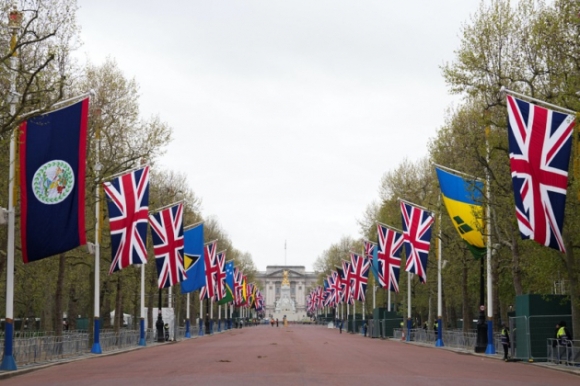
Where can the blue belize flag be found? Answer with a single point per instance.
(193, 260)
(52, 182)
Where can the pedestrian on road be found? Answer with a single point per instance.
(505, 341)
(276, 322)
(340, 325)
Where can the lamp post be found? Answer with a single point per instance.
(8, 362)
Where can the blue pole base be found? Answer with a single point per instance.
(187, 333)
(490, 349)
(439, 341)
(211, 327)
(219, 325)
(409, 327)
(8, 363)
(96, 349)
(200, 332)
(142, 340)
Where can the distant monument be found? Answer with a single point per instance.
(285, 305)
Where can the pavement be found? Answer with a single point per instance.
(294, 355)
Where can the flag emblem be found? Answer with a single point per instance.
(53, 182)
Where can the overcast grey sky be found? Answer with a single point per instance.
(286, 114)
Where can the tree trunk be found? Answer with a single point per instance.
(118, 307)
(58, 317)
(573, 285)
(105, 305)
(517, 274)
(466, 314)
(72, 307)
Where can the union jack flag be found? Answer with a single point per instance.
(389, 257)
(359, 267)
(220, 276)
(238, 283)
(309, 303)
(330, 297)
(167, 232)
(342, 283)
(540, 141)
(336, 287)
(259, 300)
(211, 269)
(417, 237)
(128, 203)
(347, 282)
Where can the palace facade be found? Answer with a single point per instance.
(301, 282)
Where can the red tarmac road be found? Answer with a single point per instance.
(296, 355)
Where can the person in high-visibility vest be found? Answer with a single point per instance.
(505, 341)
(564, 341)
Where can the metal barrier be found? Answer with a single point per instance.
(567, 355)
(46, 347)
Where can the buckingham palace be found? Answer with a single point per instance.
(300, 280)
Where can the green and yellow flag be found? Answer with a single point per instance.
(229, 283)
(462, 198)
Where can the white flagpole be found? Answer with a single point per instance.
(96, 349)
(439, 341)
(200, 332)
(354, 316)
(490, 349)
(409, 320)
(219, 317)
(187, 318)
(142, 340)
(211, 316)
(389, 300)
(8, 362)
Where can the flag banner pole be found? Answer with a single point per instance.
(127, 171)
(354, 317)
(200, 332)
(187, 321)
(192, 226)
(210, 242)
(390, 227)
(439, 341)
(219, 317)
(415, 205)
(58, 106)
(142, 340)
(166, 206)
(445, 168)
(409, 320)
(96, 349)
(211, 316)
(507, 91)
(388, 299)
(490, 349)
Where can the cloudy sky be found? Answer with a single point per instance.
(286, 114)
